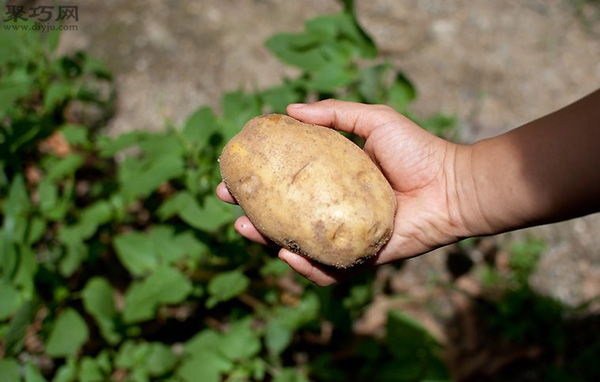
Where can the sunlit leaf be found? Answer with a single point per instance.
(136, 253)
(297, 50)
(331, 77)
(99, 302)
(10, 300)
(278, 337)
(200, 126)
(164, 286)
(160, 360)
(64, 167)
(68, 333)
(401, 93)
(32, 374)
(205, 366)
(240, 342)
(89, 371)
(15, 334)
(226, 286)
(9, 370)
(279, 97)
(67, 372)
(208, 217)
(56, 93)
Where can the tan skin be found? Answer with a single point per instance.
(547, 170)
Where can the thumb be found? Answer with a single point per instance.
(352, 117)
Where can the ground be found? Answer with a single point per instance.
(493, 64)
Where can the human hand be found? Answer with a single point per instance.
(418, 165)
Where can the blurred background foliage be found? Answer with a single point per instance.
(117, 261)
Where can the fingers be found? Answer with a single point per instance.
(244, 227)
(224, 195)
(351, 117)
(308, 269)
(323, 275)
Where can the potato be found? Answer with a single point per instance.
(309, 189)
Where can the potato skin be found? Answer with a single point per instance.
(309, 189)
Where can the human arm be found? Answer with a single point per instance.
(544, 171)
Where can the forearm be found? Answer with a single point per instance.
(545, 171)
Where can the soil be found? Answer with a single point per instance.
(493, 64)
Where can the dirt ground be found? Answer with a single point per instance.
(493, 64)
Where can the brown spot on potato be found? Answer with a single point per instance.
(298, 172)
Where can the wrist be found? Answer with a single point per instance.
(468, 213)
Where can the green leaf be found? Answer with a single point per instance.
(241, 341)
(193, 247)
(32, 374)
(359, 296)
(324, 27)
(274, 267)
(104, 360)
(99, 302)
(206, 339)
(525, 256)
(94, 216)
(64, 167)
(9, 370)
(13, 340)
(204, 365)
(16, 209)
(52, 39)
(141, 177)
(67, 372)
(76, 253)
(226, 286)
(238, 108)
(410, 344)
(131, 354)
(67, 335)
(160, 360)
(350, 30)
(401, 93)
(90, 371)
(15, 85)
(48, 195)
(164, 245)
(56, 93)
(279, 97)
(208, 217)
(331, 77)
(75, 134)
(26, 270)
(439, 124)
(301, 51)
(200, 126)
(306, 311)
(37, 227)
(108, 147)
(165, 286)
(10, 300)
(136, 253)
(289, 375)
(141, 253)
(278, 337)
(371, 85)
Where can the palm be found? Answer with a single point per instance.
(413, 163)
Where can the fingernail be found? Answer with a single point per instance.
(296, 105)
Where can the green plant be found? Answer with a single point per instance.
(117, 260)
